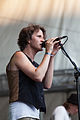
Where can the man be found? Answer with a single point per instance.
(26, 78)
(63, 112)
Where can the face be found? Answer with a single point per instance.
(37, 39)
(73, 109)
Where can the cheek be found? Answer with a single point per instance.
(34, 40)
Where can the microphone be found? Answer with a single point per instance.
(57, 39)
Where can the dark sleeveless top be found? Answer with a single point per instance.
(24, 89)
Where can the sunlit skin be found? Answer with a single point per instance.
(38, 38)
(44, 72)
(33, 76)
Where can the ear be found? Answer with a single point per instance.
(28, 41)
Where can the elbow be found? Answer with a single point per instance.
(38, 79)
(47, 86)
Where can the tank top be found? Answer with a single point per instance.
(24, 89)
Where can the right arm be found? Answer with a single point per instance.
(23, 63)
(37, 74)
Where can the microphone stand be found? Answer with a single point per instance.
(76, 75)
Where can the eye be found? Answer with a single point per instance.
(39, 36)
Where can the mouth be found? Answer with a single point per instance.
(42, 44)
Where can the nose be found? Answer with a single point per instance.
(77, 110)
(42, 40)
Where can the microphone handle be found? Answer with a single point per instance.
(57, 39)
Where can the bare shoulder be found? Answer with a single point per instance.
(11, 65)
(22, 63)
(19, 56)
(19, 61)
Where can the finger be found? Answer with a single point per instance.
(51, 40)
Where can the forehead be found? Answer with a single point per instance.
(38, 32)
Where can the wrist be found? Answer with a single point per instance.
(54, 53)
(47, 53)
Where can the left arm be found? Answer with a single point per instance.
(49, 74)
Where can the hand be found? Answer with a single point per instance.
(50, 45)
(56, 47)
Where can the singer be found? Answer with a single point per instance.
(26, 78)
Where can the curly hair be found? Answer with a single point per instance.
(26, 34)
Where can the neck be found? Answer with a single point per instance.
(30, 52)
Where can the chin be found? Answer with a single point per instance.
(41, 49)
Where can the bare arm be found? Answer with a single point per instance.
(49, 74)
(37, 74)
(23, 63)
